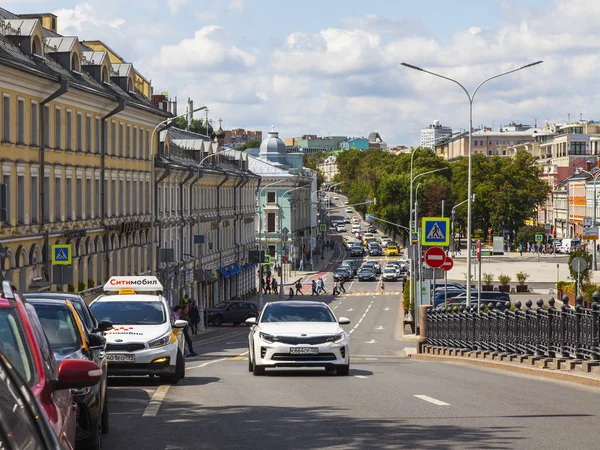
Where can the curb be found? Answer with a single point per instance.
(542, 373)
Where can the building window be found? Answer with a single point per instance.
(6, 118)
(141, 145)
(34, 201)
(113, 197)
(58, 199)
(271, 223)
(69, 199)
(79, 132)
(578, 148)
(148, 144)
(21, 121)
(148, 196)
(57, 128)
(134, 208)
(113, 138)
(69, 132)
(6, 180)
(88, 134)
(35, 131)
(97, 132)
(97, 197)
(135, 146)
(127, 210)
(88, 198)
(128, 141)
(121, 139)
(47, 198)
(46, 125)
(271, 197)
(20, 200)
(79, 211)
(106, 210)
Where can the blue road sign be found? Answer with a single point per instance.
(435, 231)
(548, 225)
(61, 254)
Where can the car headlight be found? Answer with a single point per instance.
(267, 337)
(337, 338)
(161, 341)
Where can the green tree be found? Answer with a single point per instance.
(197, 126)
(249, 144)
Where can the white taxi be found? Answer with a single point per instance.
(145, 338)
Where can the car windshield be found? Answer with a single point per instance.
(13, 344)
(221, 305)
(389, 270)
(130, 312)
(59, 326)
(297, 313)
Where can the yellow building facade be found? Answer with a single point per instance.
(76, 156)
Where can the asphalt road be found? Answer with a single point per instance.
(388, 401)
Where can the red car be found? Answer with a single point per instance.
(23, 342)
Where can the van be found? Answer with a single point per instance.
(355, 228)
(569, 245)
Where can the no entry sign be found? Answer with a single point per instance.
(435, 257)
(448, 263)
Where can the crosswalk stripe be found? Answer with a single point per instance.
(366, 294)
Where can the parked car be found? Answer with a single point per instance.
(234, 312)
(372, 229)
(69, 339)
(487, 296)
(23, 423)
(341, 274)
(366, 274)
(441, 295)
(391, 250)
(26, 346)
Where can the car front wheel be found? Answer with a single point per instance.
(343, 370)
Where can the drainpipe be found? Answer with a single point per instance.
(219, 217)
(103, 144)
(188, 178)
(64, 87)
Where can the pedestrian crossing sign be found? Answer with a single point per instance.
(62, 254)
(435, 231)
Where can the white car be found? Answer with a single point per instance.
(340, 227)
(355, 219)
(348, 209)
(145, 338)
(298, 334)
(335, 197)
(389, 274)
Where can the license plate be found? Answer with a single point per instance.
(116, 357)
(304, 350)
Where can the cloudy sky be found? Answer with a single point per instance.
(333, 66)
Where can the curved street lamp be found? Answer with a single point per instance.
(471, 97)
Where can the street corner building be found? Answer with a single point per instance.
(76, 157)
(205, 206)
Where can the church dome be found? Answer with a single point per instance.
(220, 133)
(272, 145)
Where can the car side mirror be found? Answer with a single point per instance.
(96, 342)
(344, 321)
(77, 374)
(181, 323)
(103, 325)
(251, 321)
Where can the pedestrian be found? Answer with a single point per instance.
(184, 315)
(382, 285)
(301, 265)
(274, 286)
(521, 249)
(322, 286)
(291, 294)
(314, 288)
(262, 283)
(268, 286)
(342, 288)
(299, 288)
(176, 310)
(194, 317)
(336, 290)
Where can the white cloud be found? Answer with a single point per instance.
(74, 21)
(236, 5)
(175, 5)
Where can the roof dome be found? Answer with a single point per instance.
(220, 133)
(272, 145)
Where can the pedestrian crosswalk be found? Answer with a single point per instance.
(365, 294)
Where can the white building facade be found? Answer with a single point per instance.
(433, 134)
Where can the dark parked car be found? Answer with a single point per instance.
(372, 229)
(486, 296)
(231, 312)
(440, 295)
(85, 314)
(341, 273)
(69, 339)
(25, 344)
(366, 274)
(23, 424)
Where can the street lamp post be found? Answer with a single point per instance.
(260, 234)
(420, 263)
(168, 122)
(471, 97)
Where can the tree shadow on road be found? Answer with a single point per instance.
(268, 427)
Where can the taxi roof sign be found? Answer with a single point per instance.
(126, 291)
(138, 284)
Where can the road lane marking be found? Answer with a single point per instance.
(370, 359)
(360, 376)
(212, 361)
(355, 359)
(379, 328)
(432, 400)
(350, 310)
(239, 357)
(361, 319)
(156, 400)
(372, 341)
(386, 309)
